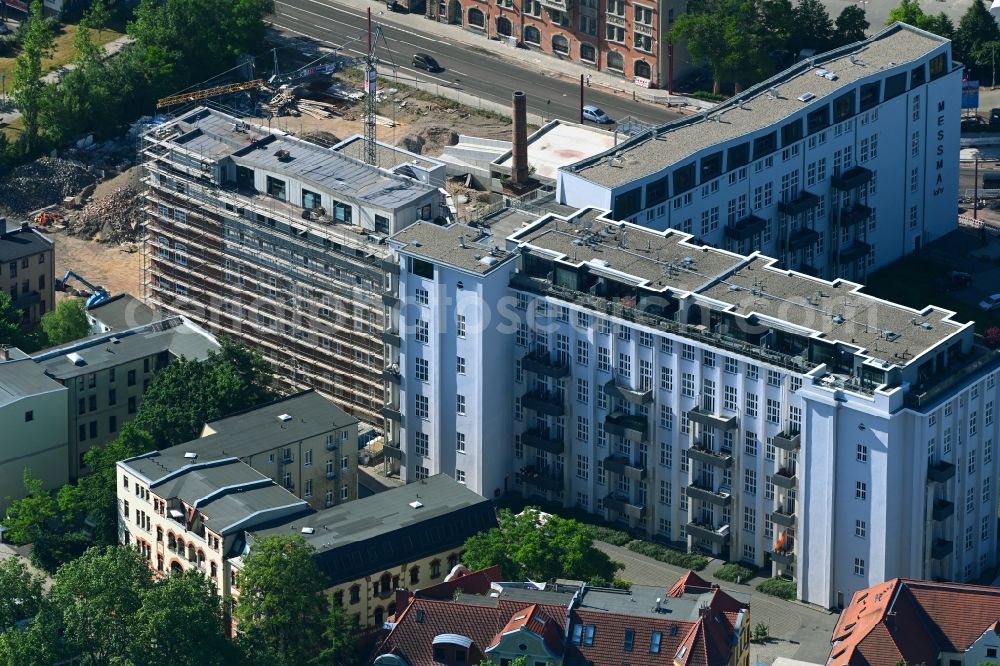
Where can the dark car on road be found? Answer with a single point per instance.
(424, 61)
(954, 280)
(994, 117)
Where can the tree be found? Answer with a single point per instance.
(908, 11)
(282, 600)
(186, 394)
(939, 24)
(10, 319)
(851, 25)
(180, 623)
(976, 37)
(99, 596)
(68, 322)
(527, 546)
(40, 643)
(28, 87)
(97, 16)
(95, 496)
(761, 632)
(338, 641)
(21, 594)
(813, 27)
(27, 517)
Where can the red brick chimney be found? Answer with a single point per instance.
(519, 142)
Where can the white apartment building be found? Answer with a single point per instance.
(835, 167)
(704, 397)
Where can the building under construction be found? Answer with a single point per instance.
(280, 243)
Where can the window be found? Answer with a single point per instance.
(421, 472)
(583, 428)
(750, 443)
(749, 519)
(687, 384)
(860, 529)
(666, 379)
(460, 326)
(582, 466)
(422, 409)
(131, 377)
(654, 642)
(460, 475)
(750, 481)
(422, 331)
(421, 370)
(460, 442)
(355, 594)
(859, 566)
(753, 372)
(687, 352)
(460, 404)
(773, 411)
(421, 444)
(666, 492)
(588, 634)
(460, 365)
(861, 490)
(629, 640)
(751, 405)
(421, 296)
(862, 454)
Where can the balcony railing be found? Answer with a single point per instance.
(941, 549)
(636, 397)
(702, 452)
(745, 228)
(628, 426)
(783, 517)
(543, 439)
(788, 440)
(544, 402)
(940, 472)
(801, 238)
(858, 213)
(391, 337)
(852, 178)
(619, 464)
(785, 555)
(800, 204)
(621, 502)
(703, 530)
(857, 250)
(330, 476)
(540, 363)
(979, 360)
(705, 492)
(542, 479)
(785, 478)
(707, 418)
(943, 509)
(392, 452)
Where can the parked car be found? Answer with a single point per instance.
(424, 61)
(594, 114)
(994, 117)
(991, 302)
(954, 280)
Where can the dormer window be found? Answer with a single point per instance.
(588, 634)
(629, 640)
(577, 633)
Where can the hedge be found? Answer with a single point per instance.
(734, 573)
(691, 561)
(778, 587)
(610, 535)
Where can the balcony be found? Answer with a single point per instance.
(633, 428)
(331, 445)
(857, 250)
(943, 509)
(704, 492)
(940, 472)
(391, 411)
(541, 364)
(785, 478)
(615, 390)
(707, 418)
(783, 517)
(558, 5)
(746, 228)
(541, 478)
(785, 556)
(717, 535)
(392, 452)
(800, 204)
(852, 178)
(390, 299)
(330, 476)
(703, 453)
(543, 439)
(619, 502)
(802, 238)
(622, 465)
(391, 337)
(858, 213)
(941, 549)
(788, 440)
(544, 402)
(391, 374)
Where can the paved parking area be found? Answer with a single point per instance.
(800, 631)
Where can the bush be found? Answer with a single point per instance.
(691, 561)
(993, 337)
(734, 573)
(52, 550)
(610, 535)
(778, 587)
(617, 583)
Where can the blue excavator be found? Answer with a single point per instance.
(97, 294)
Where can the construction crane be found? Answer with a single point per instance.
(371, 103)
(196, 95)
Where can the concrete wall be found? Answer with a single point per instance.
(38, 444)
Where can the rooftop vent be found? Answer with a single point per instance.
(190, 455)
(114, 340)
(806, 96)
(416, 504)
(838, 319)
(830, 76)
(821, 72)
(926, 326)
(283, 155)
(890, 335)
(75, 359)
(284, 418)
(308, 530)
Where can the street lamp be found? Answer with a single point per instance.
(3, 91)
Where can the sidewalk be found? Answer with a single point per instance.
(55, 76)
(8, 551)
(530, 58)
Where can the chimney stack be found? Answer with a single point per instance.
(24, 225)
(519, 144)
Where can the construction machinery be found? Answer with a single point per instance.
(95, 297)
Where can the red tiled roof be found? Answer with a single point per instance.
(689, 582)
(913, 621)
(477, 582)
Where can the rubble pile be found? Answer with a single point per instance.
(115, 218)
(291, 102)
(41, 183)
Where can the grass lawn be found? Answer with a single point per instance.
(13, 130)
(62, 51)
(912, 281)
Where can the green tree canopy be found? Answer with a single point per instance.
(99, 596)
(977, 37)
(66, 323)
(186, 394)
(851, 25)
(908, 11)
(813, 27)
(180, 623)
(28, 517)
(95, 496)
(40, 643)
(21, 594)
(282, 600)
(527, 547)
(338, 642)
(10, 321)
(28, 87)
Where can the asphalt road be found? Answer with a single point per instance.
(472, 70)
